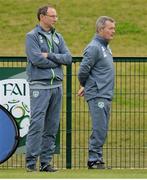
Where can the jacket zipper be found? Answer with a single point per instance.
(50, 45)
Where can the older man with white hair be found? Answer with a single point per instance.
(96, 77)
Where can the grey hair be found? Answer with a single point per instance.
(100, 23)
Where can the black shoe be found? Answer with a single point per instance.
(96, 165)
(47, 168)
(31, 168)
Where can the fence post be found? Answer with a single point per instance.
(69, 117)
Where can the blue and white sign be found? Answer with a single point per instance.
(9, 134)
(14, 96)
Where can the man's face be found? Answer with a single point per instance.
(108, 31)
(50, 18)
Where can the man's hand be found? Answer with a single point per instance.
(81, 92)
(45, 55)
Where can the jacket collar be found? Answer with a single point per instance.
(41, 30)
(101, 40)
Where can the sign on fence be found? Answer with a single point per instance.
(14, 96)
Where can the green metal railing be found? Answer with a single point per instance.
(126, 144)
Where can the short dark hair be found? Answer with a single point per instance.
(43, 10)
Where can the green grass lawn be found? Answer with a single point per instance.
(74, 173)
(76, 23)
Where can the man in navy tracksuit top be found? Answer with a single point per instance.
(46, 53)
(96, 76)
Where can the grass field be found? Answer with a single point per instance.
(77, 24)
(82, 173)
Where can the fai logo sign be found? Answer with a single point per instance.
(14, 96)
(10, 89)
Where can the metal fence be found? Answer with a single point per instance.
(126, 144)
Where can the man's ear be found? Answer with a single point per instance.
(41, 16)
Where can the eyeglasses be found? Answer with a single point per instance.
(52, 16)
